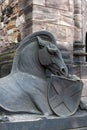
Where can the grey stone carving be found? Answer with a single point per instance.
(39, 82)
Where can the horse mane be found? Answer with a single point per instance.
(26, 41)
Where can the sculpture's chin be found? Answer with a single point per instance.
(59, 71)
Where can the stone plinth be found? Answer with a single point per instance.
(77, 122)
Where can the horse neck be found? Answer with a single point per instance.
(29, 63)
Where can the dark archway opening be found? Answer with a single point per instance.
(86, 45)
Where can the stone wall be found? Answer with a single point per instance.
(10, 19)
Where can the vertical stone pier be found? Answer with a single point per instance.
(78, 45)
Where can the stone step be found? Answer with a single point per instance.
(32, 122)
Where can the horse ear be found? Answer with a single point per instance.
(40, 41)
(52, 49)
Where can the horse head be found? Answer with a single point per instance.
(51, 58)
(38, 52)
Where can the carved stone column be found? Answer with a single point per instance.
(78, 46)
(78, 38)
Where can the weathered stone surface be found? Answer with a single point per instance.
(63, 4)
(69, 34)
(77, 10)
(67, 14)
(77, 70)
(58, 31)
(67, 54)
(39, 2)
(78, 20)
(45, 14)
(77, 34)
(26, 29)
(84, 92)
(38, 25)
(77, 122)
(78, 24)
(65, 46)
(71, 5)
(84, 71)
(62, 33)
(51, 15)
(24, 3)
(28, 12)
(77, 3)
(65, 19)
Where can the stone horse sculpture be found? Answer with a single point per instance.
(27, 88)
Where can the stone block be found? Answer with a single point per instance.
(78, 24)
(26, 28)
(84, 71)
(65, 46)
(77, 4)
(71, 5)
(78, 17)
(60, 4)
(77, 70)
(28, 12)
(38, 25)
(65, 20)
(77, 34)
(66, 13)
(15, 9)
(79, 60)
(39, 2)
(62, 33)
(45, 14)
(24, 3)
(84, 92)
(58, 31)
(11, 24)
(70, 35)
(77, 10)
(78, 20)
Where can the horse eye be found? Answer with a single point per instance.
(54, 53)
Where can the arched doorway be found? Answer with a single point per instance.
(86, 45)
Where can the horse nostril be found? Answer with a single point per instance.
(63, 70)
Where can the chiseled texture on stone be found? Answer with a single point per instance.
(56, 20)
(39, 2)
(54, 16)
(60, 4)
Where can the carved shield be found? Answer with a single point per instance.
(64, 95)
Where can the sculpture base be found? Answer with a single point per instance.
(32, 122)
